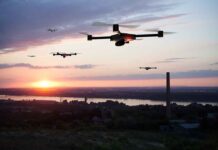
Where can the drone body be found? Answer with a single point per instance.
(147, 68)
(123, 38)
(52, 30)
(64, 54)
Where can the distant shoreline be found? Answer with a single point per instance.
(155, 94)
(108, 98)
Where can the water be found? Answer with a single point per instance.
(129, 102)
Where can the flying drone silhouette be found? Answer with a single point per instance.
(52, 30)
(147, 68)
(63, 54)
(122, 38)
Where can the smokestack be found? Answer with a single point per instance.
(85, 99)
(168, 110)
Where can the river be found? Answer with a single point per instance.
(129, 102)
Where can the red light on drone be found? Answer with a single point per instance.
(128, 38)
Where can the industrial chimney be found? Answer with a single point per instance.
(168, 109)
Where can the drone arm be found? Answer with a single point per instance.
(98, 38)
(159, 34)
(146, 35)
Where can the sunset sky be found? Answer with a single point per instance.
(191, 55)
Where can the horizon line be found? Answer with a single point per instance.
(110, 87)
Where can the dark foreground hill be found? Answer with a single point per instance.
(49, 125)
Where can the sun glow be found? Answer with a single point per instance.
(45, 84)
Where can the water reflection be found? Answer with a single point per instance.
(130, 102)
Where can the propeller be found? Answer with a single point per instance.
(84, 33)
(109, 24)
(157, 29)
(75, 53)
(54, 53)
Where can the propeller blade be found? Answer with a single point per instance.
(129, 26)
(53, 52)
(109, 24)
(101, 24)
(169, 32)
(153, 30)
(84, 33)
(157, 29)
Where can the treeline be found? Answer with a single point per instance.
(107, 115)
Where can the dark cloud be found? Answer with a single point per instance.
(24, 23)
(174, 59)
(26, 65)
(175, 75)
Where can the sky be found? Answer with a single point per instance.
(190, 55)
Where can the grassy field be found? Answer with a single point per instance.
(102, 140)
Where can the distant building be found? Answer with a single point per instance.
(85, 99)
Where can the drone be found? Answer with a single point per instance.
(64, 54)
(121, 38)
(31, 56)
(147, 68)
(52, 30)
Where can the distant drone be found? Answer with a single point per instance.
(122, 38)
(147, 68)
(52, 30)
(64, 54)
(31, 56)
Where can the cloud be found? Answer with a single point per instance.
(213, 64)
(166, 61)
(6, 80)
(122, 77)
(26, 65)
(24, 23)
(175, 75)
(145, 19)
(196, 74)
(174, 59)
(85, 66)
